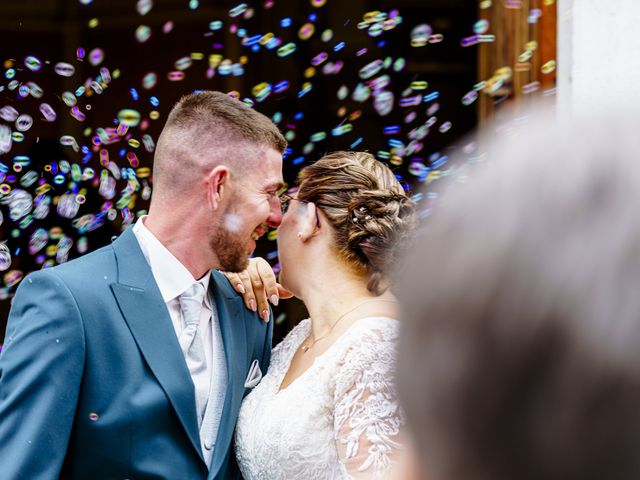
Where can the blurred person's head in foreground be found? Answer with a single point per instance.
(519, 355)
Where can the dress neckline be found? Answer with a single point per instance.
(296, 345)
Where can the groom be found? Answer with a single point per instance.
(132, 361)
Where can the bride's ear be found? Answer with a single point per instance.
(310, 222)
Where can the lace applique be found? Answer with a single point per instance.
(367, 414)
(339, 419)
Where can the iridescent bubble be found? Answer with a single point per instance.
(531, 87)
(167, 27)
(143, 33)
(383, 103)
(175, 76)
(63, 248)
(470, 97)
(69, 141)
(327, 35)
(306, 31)
(371, 69)
(96, 56)
(144, 6)
(281, 86)
(342, 129)
(318, 137)
(319, 59)
(35, 90)
(183, 63)
(445, 127)
(129, 117)
(5, 256)
(20, 203)
(469, 41)
(77, 114)
(420, 35)
(318, 3)
(238, 10)
(410, 101)
(24, 122)
(149, 80)
(64, 69)
(481, 26)
(82, 245)
(148, 143)
(38, 240)
(419, 85)
(216, 25)
(548, 67)
(12, 278)
(29, 179)
(69, 99)
(287, 49)
(107, 187)
(361, 93)
(48, 112)
(411, 116)
(8, 113)
(68, 206)
(32, 63)
(261, 91)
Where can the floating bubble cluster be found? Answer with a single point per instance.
(97, 175)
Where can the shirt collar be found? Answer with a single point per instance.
(172, 277)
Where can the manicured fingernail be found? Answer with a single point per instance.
(252, 305)
(240, 288)
(265, 315)
(274, 299)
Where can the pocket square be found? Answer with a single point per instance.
(254, 376)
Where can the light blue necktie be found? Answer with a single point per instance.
(190, 339)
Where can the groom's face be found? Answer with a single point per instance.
(252, 209)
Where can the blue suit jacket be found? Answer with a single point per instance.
(93, 383)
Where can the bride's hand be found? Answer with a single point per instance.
(258, 286)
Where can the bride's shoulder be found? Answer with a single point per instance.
(374, 329)
(368, 338)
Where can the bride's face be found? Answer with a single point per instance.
(298, 223)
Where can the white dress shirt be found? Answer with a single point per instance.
(173, 278)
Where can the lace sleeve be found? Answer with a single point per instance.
(367, 417)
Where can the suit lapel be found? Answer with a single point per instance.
(148, 319)
(230, 315)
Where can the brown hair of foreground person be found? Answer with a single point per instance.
(519, 353)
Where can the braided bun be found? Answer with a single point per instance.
(367, 207)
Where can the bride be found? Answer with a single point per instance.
(327, 407)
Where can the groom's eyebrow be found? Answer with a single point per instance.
(275, 186)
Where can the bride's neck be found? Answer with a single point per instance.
(328, 299)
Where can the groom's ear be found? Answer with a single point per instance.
(217, 186)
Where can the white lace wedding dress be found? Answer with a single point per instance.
(340, 419)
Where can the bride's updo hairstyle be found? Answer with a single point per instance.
(371, 214)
